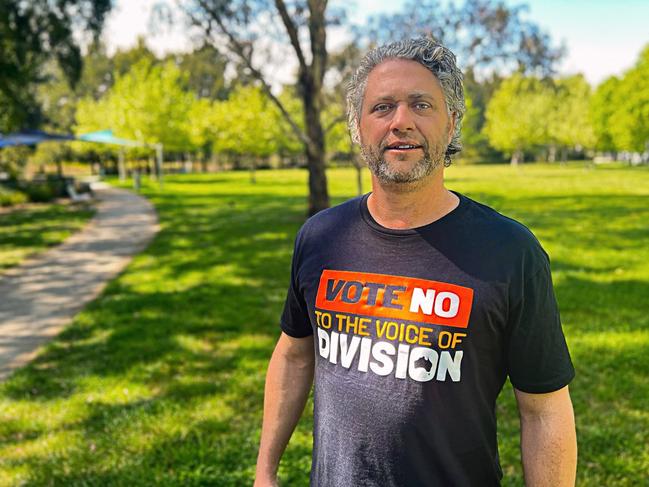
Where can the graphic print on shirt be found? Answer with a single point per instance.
(392, 325)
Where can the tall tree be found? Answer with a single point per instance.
(570, 125)
(632, 115)
(124, 59)
(235, 25)
(620, 109)
(148, 104)
(603, 105)
(518, 115)
(206, 71)
(486, 35)
(31, 34)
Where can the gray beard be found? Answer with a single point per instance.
(390, 175)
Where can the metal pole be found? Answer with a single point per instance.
(159, 154)
(120, 166)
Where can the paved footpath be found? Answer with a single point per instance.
(41, 296)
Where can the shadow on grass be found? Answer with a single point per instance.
(191, 323)
(166, 369)
(32, 229)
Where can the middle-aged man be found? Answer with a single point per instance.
(410, 306)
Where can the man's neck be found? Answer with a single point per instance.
(403, 206)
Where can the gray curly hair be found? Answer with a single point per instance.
(430, 54)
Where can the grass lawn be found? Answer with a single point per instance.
(28, 230)
(160, 380)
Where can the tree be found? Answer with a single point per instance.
(603, 105)
(148, 104)
(517, 115)
(570, 124)
(124, 60)
(247, 124)
(620, 109)
(235, 26)
(484, 34)
(31, 34)
(206, 71)
(630, 122)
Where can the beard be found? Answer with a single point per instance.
(389, 173)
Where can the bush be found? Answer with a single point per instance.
(44, 190)
(39, 192)
(10, 197)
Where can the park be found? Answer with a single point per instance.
(157, 377)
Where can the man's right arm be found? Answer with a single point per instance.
(288, 382)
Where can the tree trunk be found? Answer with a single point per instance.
(315, 148)
(517, 157)
(359, 174)
(315, 153)
(121, 169)
(564, 156)
(253, 167)
(552, 153)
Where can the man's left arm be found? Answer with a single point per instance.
(548, 438)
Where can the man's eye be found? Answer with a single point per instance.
(422, 105)
(382, 107)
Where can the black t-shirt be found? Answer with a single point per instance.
(415, 332)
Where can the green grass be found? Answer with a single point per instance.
(31, 229)
(160, 381)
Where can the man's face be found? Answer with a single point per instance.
(404, 125)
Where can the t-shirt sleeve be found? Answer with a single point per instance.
(295, 317)
(537, 354)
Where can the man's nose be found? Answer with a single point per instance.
(403, 120)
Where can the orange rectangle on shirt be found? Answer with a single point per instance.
(395, 297)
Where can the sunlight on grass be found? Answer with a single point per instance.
(160, 381)
(26, 231)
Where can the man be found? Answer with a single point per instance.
(411, 306)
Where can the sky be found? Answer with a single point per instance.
(602, 38)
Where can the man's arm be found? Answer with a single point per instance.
(548, 438)
(288, 382)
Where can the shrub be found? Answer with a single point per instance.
(44, 190)
(10, 197)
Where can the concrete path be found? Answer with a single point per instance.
(41, 296)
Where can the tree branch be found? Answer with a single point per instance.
(334, 122)
(291, 29)
(318, 35)
(238, 48)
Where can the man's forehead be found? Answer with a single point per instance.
(404, 77)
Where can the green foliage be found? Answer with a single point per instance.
(518, 114)
(527, 113)
(288, 143)
(570, 124)
(44, 191)
(337, 139)
(483, 34)
(26, 231)
(620, 109)
(13, 160)
(247, 123)
(10, 197)
(603, 106)
(48, 153)
(206, 68)
(160, 381)
(31, 34)
(124, 60)
(148, 104)
(633, 132)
